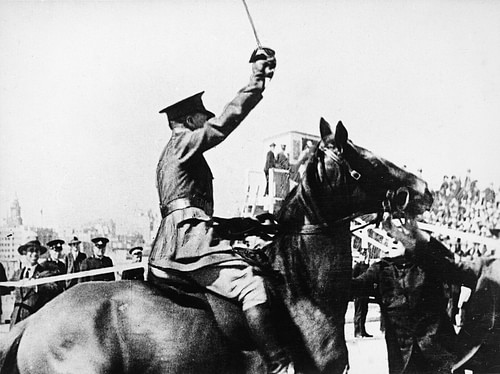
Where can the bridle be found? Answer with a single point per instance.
(394, 201)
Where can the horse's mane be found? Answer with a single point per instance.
(300, 201)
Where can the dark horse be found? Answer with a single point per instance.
(134, 327)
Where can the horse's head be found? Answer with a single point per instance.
(345, 180)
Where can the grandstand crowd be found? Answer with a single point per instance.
(461, 205)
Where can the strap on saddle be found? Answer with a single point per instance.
(264, 226)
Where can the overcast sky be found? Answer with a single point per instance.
(81, 84)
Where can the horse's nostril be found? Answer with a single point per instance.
(402, 198)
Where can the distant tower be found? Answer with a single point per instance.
(15, 219)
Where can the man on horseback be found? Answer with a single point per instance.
(183, 245)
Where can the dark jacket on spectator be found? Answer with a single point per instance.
(282, 161)
(479, 337)
(91, 263)
(29, 300)
(73, 266)
(270, 161)
(62, 270)
(419, 335)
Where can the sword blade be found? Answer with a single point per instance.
(252, 24)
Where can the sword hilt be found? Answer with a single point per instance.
(261, 53)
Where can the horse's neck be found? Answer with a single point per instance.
(322, 204)
(317, 269)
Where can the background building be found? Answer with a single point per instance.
(280, 181)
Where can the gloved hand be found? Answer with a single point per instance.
(263, 62)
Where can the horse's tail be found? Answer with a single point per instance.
(8, 349)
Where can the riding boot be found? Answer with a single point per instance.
(263, 332)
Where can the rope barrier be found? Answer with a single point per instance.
(494, 243)
(64, 277)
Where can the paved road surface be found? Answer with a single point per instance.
(366, 355)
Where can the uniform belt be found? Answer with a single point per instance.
(186, 202)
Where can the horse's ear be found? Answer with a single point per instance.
(340, 135)
(324, 128)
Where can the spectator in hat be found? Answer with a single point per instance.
(270, 164)
(55, 251)
(98, 261)
(134, 274)
(73, 260)
(29, 300)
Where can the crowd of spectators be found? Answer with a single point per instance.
(461, 205)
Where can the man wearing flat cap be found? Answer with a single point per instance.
(184, 180)
(134, 274)
(73, 260)
(98, 261)
(29, 300)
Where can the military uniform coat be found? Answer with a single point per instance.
(183, 241)
(61, 266)
(29, 300)
(91, 263)
(73, 266)
(419, 334)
